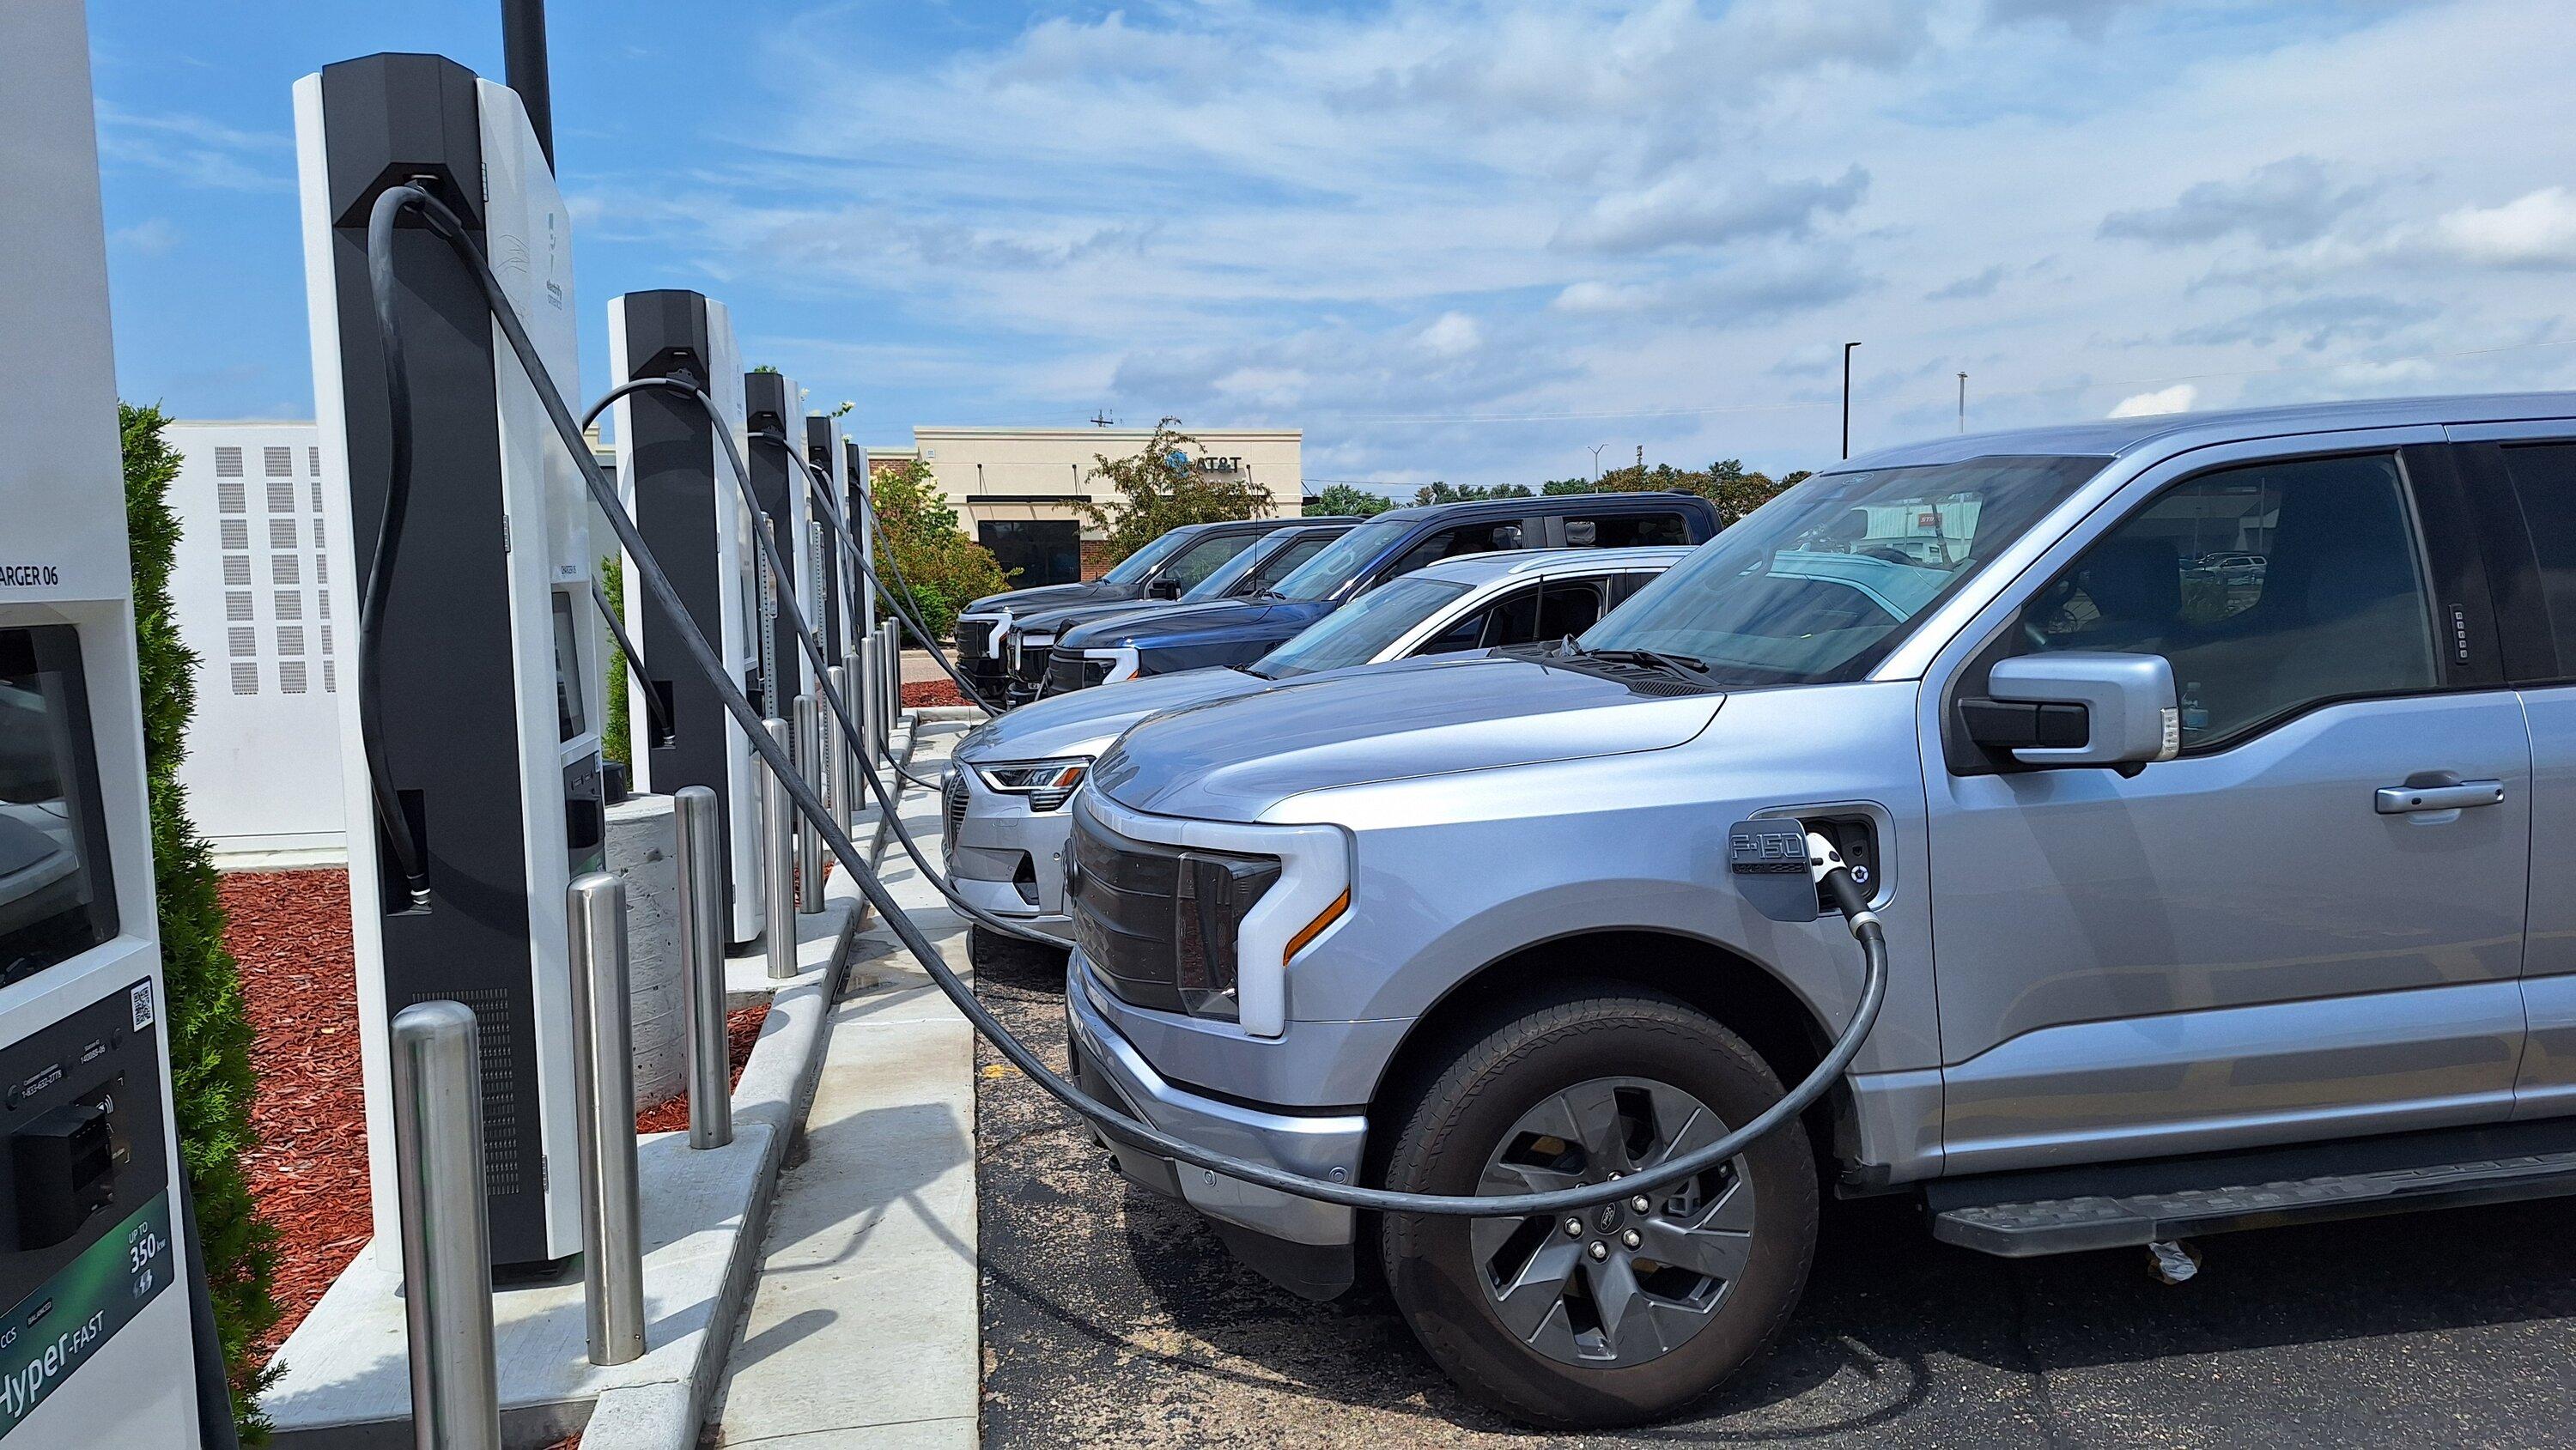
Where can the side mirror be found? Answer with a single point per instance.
(1507, 536)
(2078, 708)
(1582, 533)
(1163, 589)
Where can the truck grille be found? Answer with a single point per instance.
(974, 638)
(1121, 893)
(1029, 661)
(1069, 672)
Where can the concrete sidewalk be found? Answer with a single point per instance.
(863, 1328)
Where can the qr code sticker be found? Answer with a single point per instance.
(142, 998)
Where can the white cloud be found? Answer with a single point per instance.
(2537, 229)
(2176, 399)
(152, 236)
(1453, 334)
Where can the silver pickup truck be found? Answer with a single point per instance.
(2213, 776)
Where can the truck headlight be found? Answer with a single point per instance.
(1209, 903)
(1047, 784)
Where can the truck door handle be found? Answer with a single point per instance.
(2399, 800)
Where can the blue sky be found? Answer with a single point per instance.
(1467, 241)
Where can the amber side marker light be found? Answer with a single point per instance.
(1315, 928)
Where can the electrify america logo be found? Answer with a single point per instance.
(30, 576)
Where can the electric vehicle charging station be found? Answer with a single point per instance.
(832, 589)
(472, 803)
(772, 402)
(92, 1243)
(858, 505)
(677, 475)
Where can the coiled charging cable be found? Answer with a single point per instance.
(1835, 879)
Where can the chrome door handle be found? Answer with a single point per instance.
(2399, 800)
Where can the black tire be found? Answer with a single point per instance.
(1447, 1130)
(1009, 957)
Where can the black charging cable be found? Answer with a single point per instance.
(1863, 923)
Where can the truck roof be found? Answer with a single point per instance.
(1532, 563)
(2111, 437)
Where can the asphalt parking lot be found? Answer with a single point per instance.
(1114, 1318)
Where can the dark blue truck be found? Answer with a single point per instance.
(1239, 631)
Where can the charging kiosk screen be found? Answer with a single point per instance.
(568, 712)
(56, 900)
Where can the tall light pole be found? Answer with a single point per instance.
(1596, 461)
(1963, 402)
(1847, 352)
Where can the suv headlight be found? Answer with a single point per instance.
(1047, 784)
(1209, 902)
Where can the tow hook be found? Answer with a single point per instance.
(2173, 1261)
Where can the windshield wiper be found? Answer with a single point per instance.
(1658, 659)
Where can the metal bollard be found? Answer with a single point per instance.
(890, 659)
(837, 755)
(603, 1075)
(871, 692)
(778, 864)
(809, 836)
(446, 1241)
(698, 846)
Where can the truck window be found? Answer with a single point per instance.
(1624, 586)
(2544, 481)
(2270, 587)
(1480, 538)
(1280, 565)
(1203, 558)
(1625, 531)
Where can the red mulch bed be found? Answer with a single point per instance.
(290, 932)
(921, 694)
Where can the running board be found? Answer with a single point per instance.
(2123, 1205)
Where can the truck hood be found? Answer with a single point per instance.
(1234, 759)
(1055, 620)
(1214, 622)
(1086, 721)
(1023, 602)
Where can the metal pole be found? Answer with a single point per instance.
(866, 485)
(809, 838)
(446, 1241)
(1847, 352)
(523, 60)
(1963, 402)
(871, 685)
(603, 1075)
(698, 848)
(893, 665)
(778, 864)
(844, 766)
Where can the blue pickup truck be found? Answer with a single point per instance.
(1239, 631)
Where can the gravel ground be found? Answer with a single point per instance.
(1113, 1318)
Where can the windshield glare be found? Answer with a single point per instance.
(1356, 632)
(1137, 565)
(1230, 573)
(1323, 575)
(1821, 583)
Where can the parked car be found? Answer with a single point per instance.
(1163, 569)
(2207, 909)
(1395, 543)
(1006, 789)
(1273, 556)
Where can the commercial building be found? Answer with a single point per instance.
(250, 587)
(1016, 490)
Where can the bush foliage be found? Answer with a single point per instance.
(207, 1021)
(1160, 487)
(944, 568)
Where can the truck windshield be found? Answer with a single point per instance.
(1323, 575)
(1821, 583)
(1230, 573)
(1141, 563)
(1355, 633)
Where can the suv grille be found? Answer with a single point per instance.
(1030, 661)
(973, 638)
(1065, 673)
(952, 814)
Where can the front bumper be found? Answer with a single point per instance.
(1001, 854)
(1302, 1245)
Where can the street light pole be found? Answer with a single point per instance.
(1847, 352)
(1963, 402)
(1596, 461)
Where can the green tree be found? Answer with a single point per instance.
(615, 741)
(944, 568)
(1440, 492)
(207, 1021)
(1160, 487)
(1348, 500)
(1726, 483)
(1557, 487)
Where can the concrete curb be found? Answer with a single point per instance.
(776, 1088)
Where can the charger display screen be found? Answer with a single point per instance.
(57, 898)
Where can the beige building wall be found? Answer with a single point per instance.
(994, 474)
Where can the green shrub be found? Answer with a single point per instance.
(945, 568)
(208, 1023)
(613, 739)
